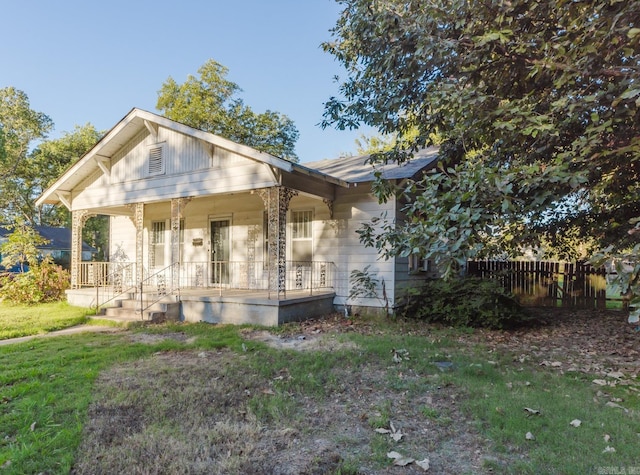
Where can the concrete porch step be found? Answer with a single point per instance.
(129, 310)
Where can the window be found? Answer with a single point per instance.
(156, 159)
(301, 235)
(157, 243)
(416, 264)
(181, 240)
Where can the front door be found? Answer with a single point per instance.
(220, 251)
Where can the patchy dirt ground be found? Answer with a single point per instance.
(213, 412)
(588, 341)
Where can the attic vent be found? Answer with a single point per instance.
(156, 159)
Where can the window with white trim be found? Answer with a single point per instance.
(302, 236)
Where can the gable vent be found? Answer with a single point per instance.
(156, 160)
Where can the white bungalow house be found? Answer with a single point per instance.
(228, 233)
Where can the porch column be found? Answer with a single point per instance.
(138, 222)
(177, 205)
(276, 201)
(78, 218)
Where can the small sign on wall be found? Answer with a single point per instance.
(197, 242)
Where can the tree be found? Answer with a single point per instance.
(209, 103)
(39, 279)
(21, 247)
(535, 105)
(20, 127)
(46, 163)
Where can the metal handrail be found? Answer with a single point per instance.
(107, 278)
(164, 294)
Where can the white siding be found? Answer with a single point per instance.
(335, 238)
(337, 241)
(122, 242)
(191, 168)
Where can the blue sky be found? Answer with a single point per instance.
(91, 62)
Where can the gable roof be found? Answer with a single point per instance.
(358, 170)
(340, 172)
(125, 130)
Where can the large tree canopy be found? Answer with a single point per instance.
(20, 127)
(46, 163)
(535, 106)
(209, 103)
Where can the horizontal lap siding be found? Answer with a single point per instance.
(339, 242)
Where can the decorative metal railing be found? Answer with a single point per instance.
(114, 278)
(109, 279)
(159, 285)
(254, 275)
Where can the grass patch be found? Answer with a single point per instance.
(200, 398)
(46, 386)
(25, 320)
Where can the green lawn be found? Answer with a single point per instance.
(46, 386)
(24, 320)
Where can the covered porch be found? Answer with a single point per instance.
(215, 292)
(193, 212)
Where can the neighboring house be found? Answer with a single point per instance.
(234, 234)
(58, 244)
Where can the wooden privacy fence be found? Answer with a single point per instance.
(546, 283)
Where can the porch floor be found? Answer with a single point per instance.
(214, 305)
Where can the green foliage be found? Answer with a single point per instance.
(535, 105)
(210, 103)
(21, 247)
(627, 269)
(47, 162)
(364, 284)
(44, 282)
(468, 302)
(20, 126)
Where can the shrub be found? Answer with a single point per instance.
(469, 302)
(44, 282)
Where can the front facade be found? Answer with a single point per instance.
(222, 227)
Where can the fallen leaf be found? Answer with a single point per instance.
(599, 382)
(530, 411)
(575, 423)
(403, 461)
(394, 455)
(268, 391)
(613, 404)
(423, 464)
(616, 374)
(530, 436)
(556, 364)
(509, 385)
(608, 449)
(32, 426)
(380, 430)
(396, 436)
(607, 437)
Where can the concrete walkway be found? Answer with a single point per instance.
(66, 331)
